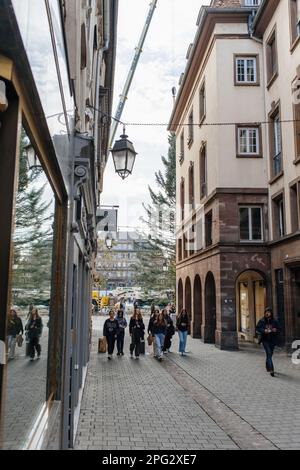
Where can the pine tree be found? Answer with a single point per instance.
(160, 218)
(32, 239)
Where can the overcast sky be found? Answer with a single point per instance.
(150, 100)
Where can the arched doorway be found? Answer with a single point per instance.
(210, 310)
(251, 303)
(179, 296)
(197, 307)
(188, 297)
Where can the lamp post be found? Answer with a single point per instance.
(123, 154)
(32, 159)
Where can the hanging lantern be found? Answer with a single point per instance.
(123, 154)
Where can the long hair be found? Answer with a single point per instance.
(34, 311)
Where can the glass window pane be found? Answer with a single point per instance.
(256, 223)
(251, 70)
(244, 223)
(243, 141)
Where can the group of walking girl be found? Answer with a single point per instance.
(160, 330)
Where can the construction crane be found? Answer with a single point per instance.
(138, 51)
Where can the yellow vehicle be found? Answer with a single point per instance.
(104, 301)
(96, 300)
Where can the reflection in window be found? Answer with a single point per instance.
(28, 317)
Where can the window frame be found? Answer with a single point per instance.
(245, 57)
(202, 102)
(250, 207)
(276, 111)
(248, 127)
(272, 74)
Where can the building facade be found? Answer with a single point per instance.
(225, 194)
(282, 148)
(56, 75)
(120, 264)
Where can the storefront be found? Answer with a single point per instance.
(36, 82)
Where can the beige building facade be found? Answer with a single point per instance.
(224, 190)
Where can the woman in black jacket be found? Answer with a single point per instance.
(136, 331)
(183, 327)
(170, 331)
(34, 329)
(110, 331)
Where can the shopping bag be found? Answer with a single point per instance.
(102, 345)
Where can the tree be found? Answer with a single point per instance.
(160, 218)
(33, 239)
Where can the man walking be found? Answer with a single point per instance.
(267, 330)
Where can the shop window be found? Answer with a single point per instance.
(29, 316)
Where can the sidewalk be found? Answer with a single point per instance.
(210, 399)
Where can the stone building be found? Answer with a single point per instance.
(226, 196)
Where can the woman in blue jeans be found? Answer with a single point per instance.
(183, 328)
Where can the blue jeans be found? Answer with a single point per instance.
(182, 340)
(269, 348)
(159, 339)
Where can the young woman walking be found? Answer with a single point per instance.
(183, 327)
(110, 331)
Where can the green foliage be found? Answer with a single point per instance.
(160, 218)
(33, 233)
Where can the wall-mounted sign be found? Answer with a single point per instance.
(107, 219)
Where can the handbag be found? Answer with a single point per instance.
(19, 340)
(150, 340)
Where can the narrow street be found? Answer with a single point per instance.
(210, 399)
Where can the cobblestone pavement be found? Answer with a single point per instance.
(210, 399)
(25, 394)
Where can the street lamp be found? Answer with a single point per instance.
(33, 162)
(108, 242)
(123, 154)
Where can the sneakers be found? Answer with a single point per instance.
(109, 358)
(272, 374)
(137, 357)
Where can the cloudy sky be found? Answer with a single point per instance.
(150, 99)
